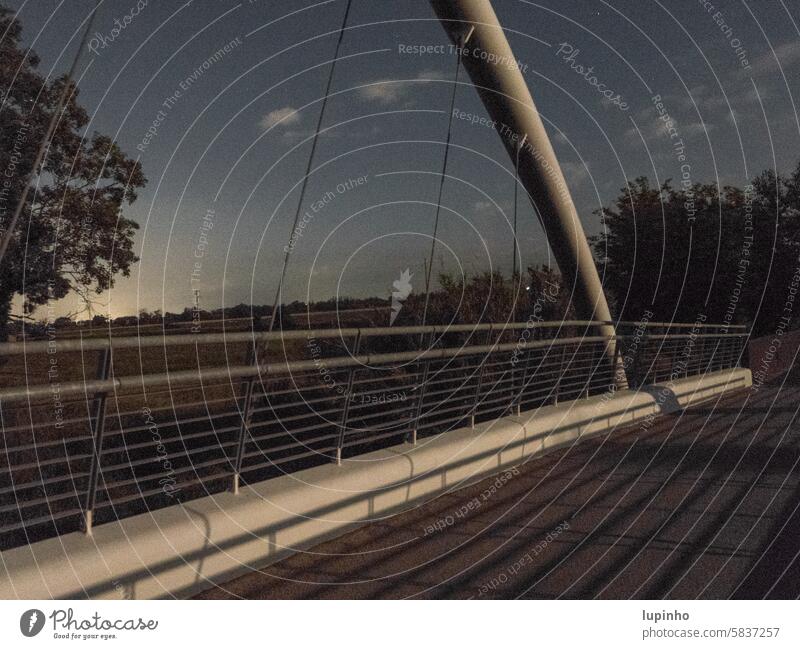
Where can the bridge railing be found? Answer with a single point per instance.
(96, 430)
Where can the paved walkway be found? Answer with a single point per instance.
(705, 503)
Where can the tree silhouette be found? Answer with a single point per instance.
(492, 297)
(728, 255)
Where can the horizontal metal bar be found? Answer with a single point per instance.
(123, 342)
(283, 432)
(294, 444)
(376, 438)
(159, 491)
(288, 367)
(192, 468)
(41, 500)
(41, 520)
(326, 452)
(292, 403)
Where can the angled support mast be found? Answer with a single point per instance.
(496, 75)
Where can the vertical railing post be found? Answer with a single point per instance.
(524, 385)
(739, 352)
(702, 355)
(691, 356)
(247, 415)
(98, 424)
(649, 364)
(715, 348)
(512, 403)
(636, 361)
(670, 352)
(643, 361)
(618, 360)
(557, 390)
(421, 388)
(348, 398)
(516, 389)
(480, 381)
(587, 385)
(674, 358)
(725, 342)
(651, 369)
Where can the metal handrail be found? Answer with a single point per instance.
(123, 342)
(278, 413)
(199, 374)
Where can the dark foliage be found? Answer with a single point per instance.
(72, 235)
(729, 255)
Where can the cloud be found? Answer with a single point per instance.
(787, 54)
(692, 129)
(753, 96)
(561, 138)
(575, 172)
(699, 97)
(734, 117)
(485, 207)
(654, 128)
(432, 75)
(384, 91)
(389, 91)
(286, 116)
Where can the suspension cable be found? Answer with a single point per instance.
(429, 268)
(308, 166)
(520, 144)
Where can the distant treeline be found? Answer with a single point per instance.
(485, 297)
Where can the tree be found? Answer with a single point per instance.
(72, 235)
(728, 254)
(491, 297)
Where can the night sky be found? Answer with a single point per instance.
(236, 139)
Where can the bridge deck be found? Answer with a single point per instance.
(704, 503)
